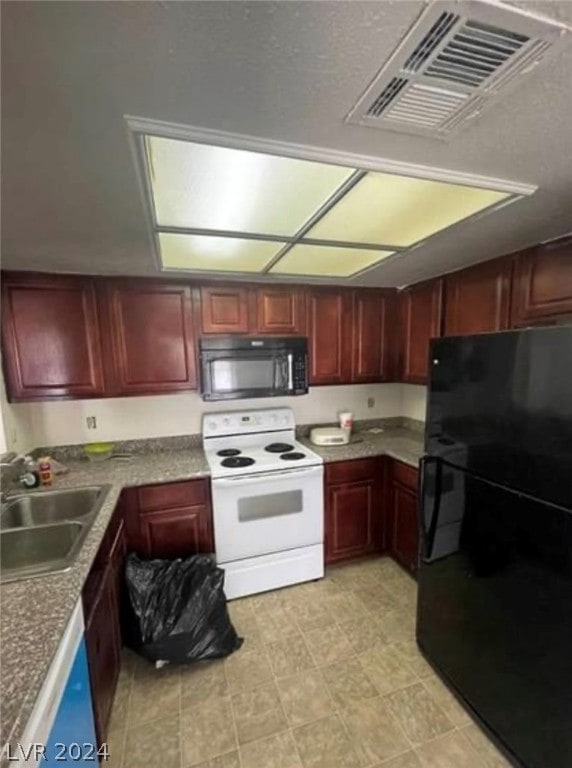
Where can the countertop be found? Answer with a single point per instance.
(402, 444)
(34, 613)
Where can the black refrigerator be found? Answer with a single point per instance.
(495, 577)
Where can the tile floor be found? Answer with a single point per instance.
(329, 676)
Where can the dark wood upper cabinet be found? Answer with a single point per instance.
(152, 337)
(50, 337)
(421, 321)
(329, 336)
(279, 311)
(370, 345)
(543, 284)
(477, 300)
(224, 309)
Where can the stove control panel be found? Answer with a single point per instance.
(247, 422)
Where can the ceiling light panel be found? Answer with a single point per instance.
(326, 260)
(387, 209)
(200, 186)
(215, 254)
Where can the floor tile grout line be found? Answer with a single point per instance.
(235, 728)
(427, 741)
(128, 715)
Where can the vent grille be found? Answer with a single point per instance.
(453, 64)
(423, 105)
(431, 40)
(386, 96)
(475, 53)
(525, 62)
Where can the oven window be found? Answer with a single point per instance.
(230, 374)
(269, 505)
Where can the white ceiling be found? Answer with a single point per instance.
(286, 71)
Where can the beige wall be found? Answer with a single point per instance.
(414, 401)
(61, 423)
(15, 431)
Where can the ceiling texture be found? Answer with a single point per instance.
(281, 71)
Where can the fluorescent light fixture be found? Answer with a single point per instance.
(326, 260)
(217, 254)
(197, 186)
(387, 209)
(220, 202)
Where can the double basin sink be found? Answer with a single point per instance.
(42, 532)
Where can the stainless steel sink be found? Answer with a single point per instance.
(26, 552)
(45, 507)
(42, 532)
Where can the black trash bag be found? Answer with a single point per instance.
(179, 612)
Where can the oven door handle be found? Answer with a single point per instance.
(263, 477)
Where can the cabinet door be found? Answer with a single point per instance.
(103, 651)
(369, 348)
(421, 317)
(280, 311)
(405, 529)
(224, 310)
(51, 339)
(329, 332)
(169, 519)
(477, 299)
(352, 520)
(176, 532)
(152, 337)
(543, 284)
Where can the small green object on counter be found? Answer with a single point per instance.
(98, 451)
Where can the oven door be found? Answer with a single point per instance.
(269, 512)
(228, 376)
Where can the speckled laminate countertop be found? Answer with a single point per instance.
(399, 443)
(34, 613)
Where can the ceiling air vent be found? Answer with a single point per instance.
(455, 62)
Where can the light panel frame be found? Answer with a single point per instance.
(139, 127)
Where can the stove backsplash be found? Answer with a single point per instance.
(136, 418)
(75, 451)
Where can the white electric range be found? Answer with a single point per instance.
(268, 505)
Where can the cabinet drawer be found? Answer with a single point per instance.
(405, 474)
(347, 471)
(172, 495)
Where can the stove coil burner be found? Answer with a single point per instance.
(279, 448)
(234, 462)
(228, 452)
(294, 456)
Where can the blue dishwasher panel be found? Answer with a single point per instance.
(74, 723)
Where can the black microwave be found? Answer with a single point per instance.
(234, 367)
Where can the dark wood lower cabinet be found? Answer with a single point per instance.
(371, 506)
(166, 520)
(102, 597)
(169, 520)
(403, 525)
(103, 643)
(353, 515)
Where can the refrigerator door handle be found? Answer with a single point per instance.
(428, 530)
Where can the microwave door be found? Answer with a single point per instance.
(232, 377)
